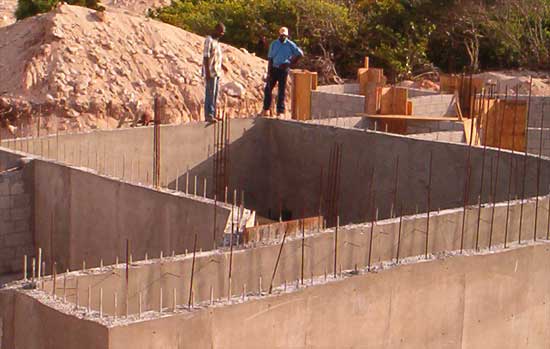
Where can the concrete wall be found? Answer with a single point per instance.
(16, 210)
(328, 104)
(496, 300)
(434, 105)
(128, 154)
(93, 216)
(354, 248)
(303, 149)
(31, 324)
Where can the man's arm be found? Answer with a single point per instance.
(297, 54)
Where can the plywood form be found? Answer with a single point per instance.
(504, 124)
(275, 231)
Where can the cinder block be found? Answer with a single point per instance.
(20, 213)
(20, 201)
(17, 188)
(18, 239)
(22, 225)
(5, 202)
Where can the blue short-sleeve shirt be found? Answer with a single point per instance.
(282, 52)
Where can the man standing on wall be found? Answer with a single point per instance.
(212, 71)
(283, 53)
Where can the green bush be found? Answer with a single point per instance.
(28, 8)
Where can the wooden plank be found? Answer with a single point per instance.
(409, 117)
(469, 135)
(512, 134)
(372, 98)
(363, 78)
(301, 99)
(275, 231)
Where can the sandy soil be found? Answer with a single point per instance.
(92, 73)
(7, 8)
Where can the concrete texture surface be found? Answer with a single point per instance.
(354, 248)
(93, 216)
(495, 300)
(16, 224)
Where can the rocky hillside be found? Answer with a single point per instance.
(94, 72)
(7, 9)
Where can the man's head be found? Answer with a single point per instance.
(219, 30)
(283, 34)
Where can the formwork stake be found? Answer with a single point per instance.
(160, 301)
(89, 299)
(303, 250)
(192, 270)
(336, 244)
(211, 295)
(260, 285)
(429, 205)
(101, 302)
(468, 169)
(277, 262)
(39, 262)
(175, 299)
(115, 301)
(525, 162)
(25, 267)
(511, 170)
(195, 188)
(139, 306)
(539, 163)
(486, 128)
(398, 235)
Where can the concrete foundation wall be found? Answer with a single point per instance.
(16, 210)
(303, 149)
(26, 323)
(354, 248)
(497, 300)
(93, 216)
(128, 154)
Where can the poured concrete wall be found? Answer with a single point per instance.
(81, 216)
(128, 154)
(30, 324)
(496, 300)
(302, 150)
(16, 224)
(354, 248)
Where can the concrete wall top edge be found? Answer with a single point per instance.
(110, 322)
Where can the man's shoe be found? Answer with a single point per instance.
(265, 112)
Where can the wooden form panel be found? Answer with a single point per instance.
(394, 101)
(275, 231)
(303, 82)
(505, 122)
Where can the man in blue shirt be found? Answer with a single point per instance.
(282, 54)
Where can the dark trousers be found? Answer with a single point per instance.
(277, 76)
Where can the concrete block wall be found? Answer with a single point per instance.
(325, 104)
(415, 92)
(534, 138)
(434, 105)
(16, 237)
(352, 89)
